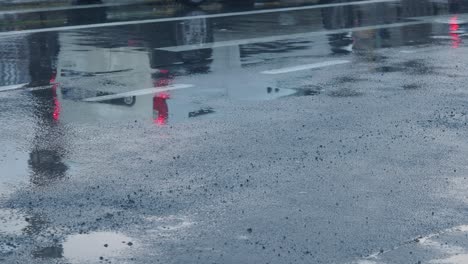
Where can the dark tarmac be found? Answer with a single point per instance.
(281, 132)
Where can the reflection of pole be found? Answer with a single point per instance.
(45, 158)
(57, 105)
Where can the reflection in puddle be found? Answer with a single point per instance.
(457, 259)
(95, 247)
(14, 173)
(443, 247)
(12, 222)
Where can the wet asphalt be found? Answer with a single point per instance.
(279, 132)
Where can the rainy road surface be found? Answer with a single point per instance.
(297, 131)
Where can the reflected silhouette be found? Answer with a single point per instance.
(116, 60)
(48, 150)
(43, 49)
(339, 17)
(187, 32)
(364, 42)
(169, 65)
(195, 32)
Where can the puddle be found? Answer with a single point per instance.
(140, 59)
(457, 259)
(462, 228)
(14, 171)
(12, 222)
(96, 247)
(444, 247)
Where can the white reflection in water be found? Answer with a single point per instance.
(12, 222)
(457, 259)
(92, 248)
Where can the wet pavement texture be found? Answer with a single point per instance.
(278, 132)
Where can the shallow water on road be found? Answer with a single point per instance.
(96, 247)
(210, 137)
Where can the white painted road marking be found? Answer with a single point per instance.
(138, 92)
(157, 20)
(306, 67)
(284, 37)
(450, 36)
(441, 37)
(12, 87)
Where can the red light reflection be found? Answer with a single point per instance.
(57, 105)
(160, 110)
(454, 27)
(160, 107)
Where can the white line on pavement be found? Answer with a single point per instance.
(441, 37)
(284, 37)
(157, 20)
(12, 87)
(306, 67)
(37, 88)
(138, 92)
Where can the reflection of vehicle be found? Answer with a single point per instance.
(112, 68)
